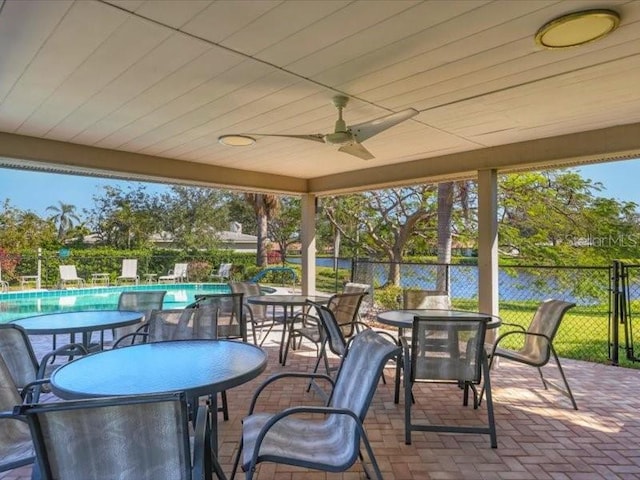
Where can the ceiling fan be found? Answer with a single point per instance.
(349, 138)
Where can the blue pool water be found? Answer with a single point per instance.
(16, 305)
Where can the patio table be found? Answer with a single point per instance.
(197, 367)
(287, 302)
(84, 322)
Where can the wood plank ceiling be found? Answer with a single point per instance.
(143, 89)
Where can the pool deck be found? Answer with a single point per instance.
(540, 436)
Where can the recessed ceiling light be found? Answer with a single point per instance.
(577, 28)
(236, 140)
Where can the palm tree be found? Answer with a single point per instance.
(265, 206)
(64, 216)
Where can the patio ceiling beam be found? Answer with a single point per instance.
(608, 144)
(18, 151)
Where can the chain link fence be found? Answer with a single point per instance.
(584, 332)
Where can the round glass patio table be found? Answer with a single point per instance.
(287, 302)
(197, 367)
(83, 322)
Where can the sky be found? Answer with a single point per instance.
(35, 191)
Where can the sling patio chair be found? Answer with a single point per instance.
(129, 271)
(68, 274)
(138, 301)
(536, 343)
(448, 350)
(140, 437)
(325, 438)
(257, 315)
(24, 367)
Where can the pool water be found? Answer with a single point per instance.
(16, 305)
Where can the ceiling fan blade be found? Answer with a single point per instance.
(356, 150)
(365, 130)
(316, 137)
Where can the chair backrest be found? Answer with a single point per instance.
(144, 437)
(171, 324)
(358, 378)
(448, 350)
(15, 439)
(141, 301)
(129, 267)
(345, 307)
(330, 328)
(225, 270)
(250, 289)
(18, 354)
(180, 270)
(68, 272)
(546, 321)
(222, 315)
(426, 299)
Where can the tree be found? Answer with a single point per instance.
(284, 227)
(21, 230)
(64, 217)
(265, 206)
(388, 221)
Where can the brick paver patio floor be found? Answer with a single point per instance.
(539, 435)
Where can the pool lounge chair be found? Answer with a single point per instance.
(129, 271)
(178, 274)
(224, 272)
(68, 274)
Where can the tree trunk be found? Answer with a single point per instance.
(261, 254)
(445, 207)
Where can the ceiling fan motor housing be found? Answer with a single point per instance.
(338, 138)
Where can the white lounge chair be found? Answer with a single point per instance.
(224, 272)
(129, 271)
(68, 274)
(178, 274)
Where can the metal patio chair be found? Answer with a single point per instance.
(138, 301)
(448, 351)
(19, 357)
(68, 274)
(537, 343)
(16, 447)
(177, 274)
(231, 320)
(142, 437)
(330, 439)
(257, 315)
(224, 272)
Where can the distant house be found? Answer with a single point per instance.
(232, 239)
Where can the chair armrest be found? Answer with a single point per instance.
(280, 376)
(13, 414)
(132, 336)
(31, 391)
(68, 350)
(301, 410)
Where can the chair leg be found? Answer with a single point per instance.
(225, 406)
(487, 388)
(236, 461)
(568, 392)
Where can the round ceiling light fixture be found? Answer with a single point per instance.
(577, 28)
(236, 140)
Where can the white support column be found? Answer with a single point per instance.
(308, 238)
(488, 241)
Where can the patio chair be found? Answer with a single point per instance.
(129, 271)
(257, 315)
(68, 274)
(129, 437)
(18, 355)
(178, 324)
(329, 440)
(224, 272)
(448, 351)
(537, 343)
(16, 448)
(230, 317)
(344, 309)
(138, 301)
(177, 274)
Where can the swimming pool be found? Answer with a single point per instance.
(14, 305)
